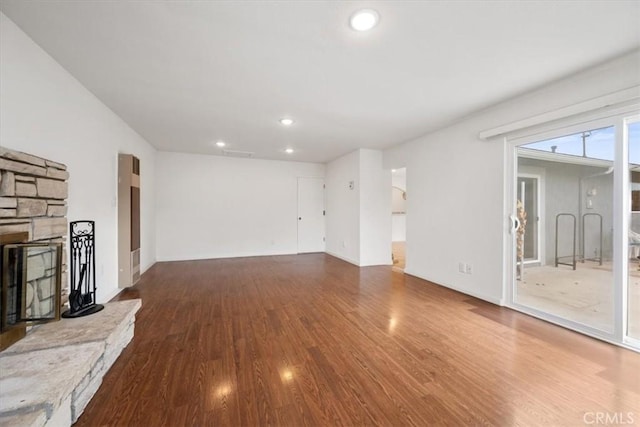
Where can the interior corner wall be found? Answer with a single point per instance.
(222, 207)
(457, 208)
(45, 111)
(358, 216)
(343, 208)
(375, 209)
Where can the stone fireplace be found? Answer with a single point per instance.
(33, 208)
(30, 284)
(48, 372)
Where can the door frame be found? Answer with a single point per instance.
(539, 175)
(634, 343)
(619, 118)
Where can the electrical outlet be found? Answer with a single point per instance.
(468, 269)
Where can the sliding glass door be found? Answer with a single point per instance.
(575, 237)
(576, 280)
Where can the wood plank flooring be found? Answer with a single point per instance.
(312, 340)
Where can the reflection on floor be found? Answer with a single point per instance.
(584, 295)
(398, 250)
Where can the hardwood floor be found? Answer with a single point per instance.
(312, 340)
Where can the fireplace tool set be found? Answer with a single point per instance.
(82, 295)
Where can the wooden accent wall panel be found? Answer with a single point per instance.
(135, 218)
(128, 220)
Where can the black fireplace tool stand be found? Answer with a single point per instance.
(82, 297)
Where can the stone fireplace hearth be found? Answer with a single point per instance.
(48, 378)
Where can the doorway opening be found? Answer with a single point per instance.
(399, 218)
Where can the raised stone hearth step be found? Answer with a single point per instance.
(49, 377)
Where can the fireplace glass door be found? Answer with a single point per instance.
(31, 283)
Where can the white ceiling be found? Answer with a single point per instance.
(185, 74)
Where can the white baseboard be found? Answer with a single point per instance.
(344, 258)
(484, 297)
(144, 269)
(112, 294)
(220, 256)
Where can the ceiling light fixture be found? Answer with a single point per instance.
(285, 121)
(364, 20)
(289, 150)
(221, 144)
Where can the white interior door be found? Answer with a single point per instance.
(310, 215)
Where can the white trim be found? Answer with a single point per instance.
(492, 300)
(510, 160)
(632, 343)
(111, 295)
(343, 258)
(144, 268)
(621, 209)
(117, 291)
(223, 256)
(569, 127)
(625, 218)
(631, 94)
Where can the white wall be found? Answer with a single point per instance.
(219, 207)
(343, 207)
(399, 227)
(456, 205)
(358, 223)
(399, 178)
(47, 112)
(375, 205)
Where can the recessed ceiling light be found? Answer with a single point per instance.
(289, 150)
(364, 20)
(221, 143)
(285, 121)
(393, 170)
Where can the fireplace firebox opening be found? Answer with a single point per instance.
(31, 278)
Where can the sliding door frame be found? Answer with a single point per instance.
(619, 117)
(625, 205)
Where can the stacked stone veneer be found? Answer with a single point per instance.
(33, 193)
